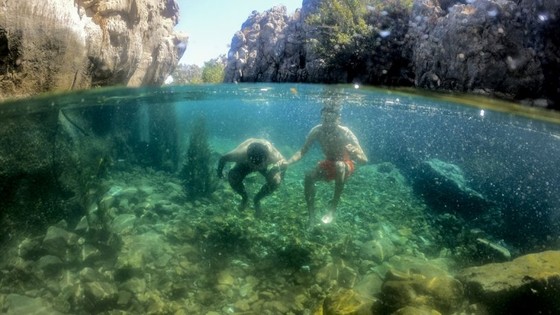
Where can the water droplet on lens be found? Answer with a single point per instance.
(384, 33)
(493, 13)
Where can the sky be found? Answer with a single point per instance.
(211, 24)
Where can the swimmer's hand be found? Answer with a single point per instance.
(280, 166)
(351, 149)
(283, 165)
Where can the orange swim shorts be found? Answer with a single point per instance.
(330, 168)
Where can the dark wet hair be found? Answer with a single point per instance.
(330, 110)
(256, 152)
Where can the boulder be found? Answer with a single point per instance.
(378, 250)
(49, 265)
(347, 302)
(99, 296)
(99, 292)
(338, 273)
(21, 304)
(441, 293)
(58, 241)
(529, 284)
(445, 188)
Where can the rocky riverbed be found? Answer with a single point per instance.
(142, 248)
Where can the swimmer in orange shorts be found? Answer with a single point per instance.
(340, 147)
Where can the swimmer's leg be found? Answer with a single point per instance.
(235, 177)
(309, 191)
(273, 180)
(339, 181)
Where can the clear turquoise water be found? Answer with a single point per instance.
(510, 158)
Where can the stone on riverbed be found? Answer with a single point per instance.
(529, 284)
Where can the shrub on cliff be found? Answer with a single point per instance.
(339, 24)
(213, 71)
(362, 39)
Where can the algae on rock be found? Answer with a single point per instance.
(196, 174)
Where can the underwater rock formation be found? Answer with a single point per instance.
(440, 293)
(445, 188)
(46, 168)
(58, 45)
(508, 49)
(529, 284)
(197, 175)
(143, 248)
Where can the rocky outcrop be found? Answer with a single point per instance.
(57, 45)
(274, 47)
(489, 47)
(502, 48)
(527, 285)
(268, 48)
(441, 293)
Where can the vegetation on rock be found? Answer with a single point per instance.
(212, 72)
(355, 36)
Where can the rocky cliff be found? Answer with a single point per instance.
(502, 48)
(59, 45)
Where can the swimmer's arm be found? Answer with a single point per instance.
(235, 155)
(306, 146)
(355, 149)
(276, 158)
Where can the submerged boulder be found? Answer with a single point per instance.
(21, 304)
(58, 240)
(347, 301)
(445, 188)
(529, 284)
(442, 293)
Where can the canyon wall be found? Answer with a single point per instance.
(500, 48)
(61, 45)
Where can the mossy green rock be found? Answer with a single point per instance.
(347, 302)
(529, 284)
(441, 293)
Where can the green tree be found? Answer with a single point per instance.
(213, 71)
(350, 33)
(339, 24)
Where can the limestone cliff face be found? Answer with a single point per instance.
(273, 47)
(59, 45)
(265, 48)
(504, 48)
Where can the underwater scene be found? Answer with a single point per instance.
(146, 201)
